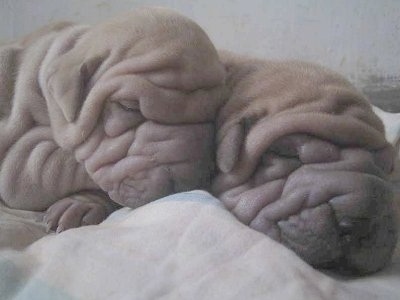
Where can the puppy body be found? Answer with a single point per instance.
(120, 110)
(34, 168)
(303, 159)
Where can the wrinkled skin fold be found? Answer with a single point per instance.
(335, 211)
(303, 159)
(157, 160)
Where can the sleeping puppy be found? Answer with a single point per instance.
(303, 158)
(120, 111)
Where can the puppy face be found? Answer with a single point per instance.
(135, 99)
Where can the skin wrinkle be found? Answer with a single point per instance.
(47, 161)
(308, 196)
(136, 187)
(170, 161)
(27, 157)
(38, 168)
(277, 210)
(260, 204)
(100, 155)
(307, 207)
(86, 149)
(357, 164)
(288, 217)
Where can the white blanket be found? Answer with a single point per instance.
(185, 246)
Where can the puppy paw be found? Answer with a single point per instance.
(74, 211)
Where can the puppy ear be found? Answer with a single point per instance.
(68, 85)
(229, 148)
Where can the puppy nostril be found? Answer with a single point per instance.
(355, 227)
(346, 226)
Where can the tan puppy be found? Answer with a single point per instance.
(121, 110)
(303, 159)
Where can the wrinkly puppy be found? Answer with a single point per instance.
(303, 159)
(122, 110)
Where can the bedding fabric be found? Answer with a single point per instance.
(184, 246)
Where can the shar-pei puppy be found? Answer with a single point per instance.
(123, 110)
(303, 158)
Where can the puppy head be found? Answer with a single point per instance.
(151, 47)
(135, 99)
(270, 99)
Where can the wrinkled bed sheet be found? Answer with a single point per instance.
(185, 246)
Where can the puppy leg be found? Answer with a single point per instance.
(84, 208)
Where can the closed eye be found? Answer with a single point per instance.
(128, 106)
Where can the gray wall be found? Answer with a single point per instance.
(358, 38)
